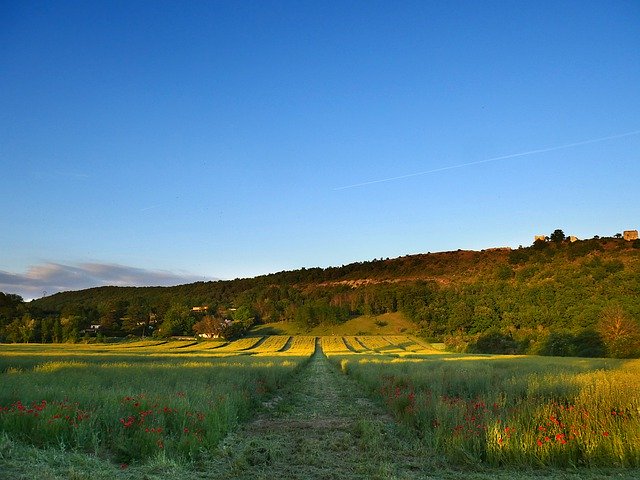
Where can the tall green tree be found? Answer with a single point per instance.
(620, 333)
(557, 236)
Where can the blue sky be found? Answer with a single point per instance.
(163, 142)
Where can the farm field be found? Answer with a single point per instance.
(388, 406)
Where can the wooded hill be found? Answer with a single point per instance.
(555, 295)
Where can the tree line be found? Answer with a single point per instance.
(554, 297)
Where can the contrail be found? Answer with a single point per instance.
(493, 159)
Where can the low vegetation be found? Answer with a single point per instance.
(522, 411)
(134, 401)
(360, 406)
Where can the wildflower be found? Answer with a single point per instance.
(128, 422)
(605, 434)
(540, 443)
(124, 466)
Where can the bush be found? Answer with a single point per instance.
(494, 342)
(558, 344)
(586, 343)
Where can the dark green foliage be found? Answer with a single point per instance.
(494, 341)
(540, 245)
(582, 248)
(505, 272)
(557, 236)
(521, 255)
(587, 343)
(559, 344)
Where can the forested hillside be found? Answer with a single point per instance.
(555, 297)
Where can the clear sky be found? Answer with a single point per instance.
(165, 142)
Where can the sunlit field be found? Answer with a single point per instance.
(529, 411)
(134, 403)
(131, 401)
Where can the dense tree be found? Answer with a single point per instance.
(211, 326)
(177, 320)
(22, 329)
(557, 236)
(621, 334)
(494, 341)
(138, 317)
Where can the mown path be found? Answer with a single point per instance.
(322, 427)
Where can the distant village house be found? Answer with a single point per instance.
(92, 330)
(630, 235)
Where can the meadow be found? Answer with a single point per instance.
(130, 402)
(135, 409)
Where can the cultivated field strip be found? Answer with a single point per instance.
(139, 344)
(379, 344)
(241, 344)
(354, 345)
(271, 344)
(301, 345)
(331, 345)
(410, 345)
(204, 346)
(392, 345)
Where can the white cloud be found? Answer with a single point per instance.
(54, 277)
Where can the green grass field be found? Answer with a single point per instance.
(386, 324)
(350, 406)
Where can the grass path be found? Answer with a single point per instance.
(321, 427)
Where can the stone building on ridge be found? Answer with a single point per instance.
(630, 235)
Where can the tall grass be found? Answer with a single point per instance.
(133, 407)
(525, 411)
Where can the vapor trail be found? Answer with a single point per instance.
(493, 159)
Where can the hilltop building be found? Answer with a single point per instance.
(630, 235)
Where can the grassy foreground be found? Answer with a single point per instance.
(379, 407)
